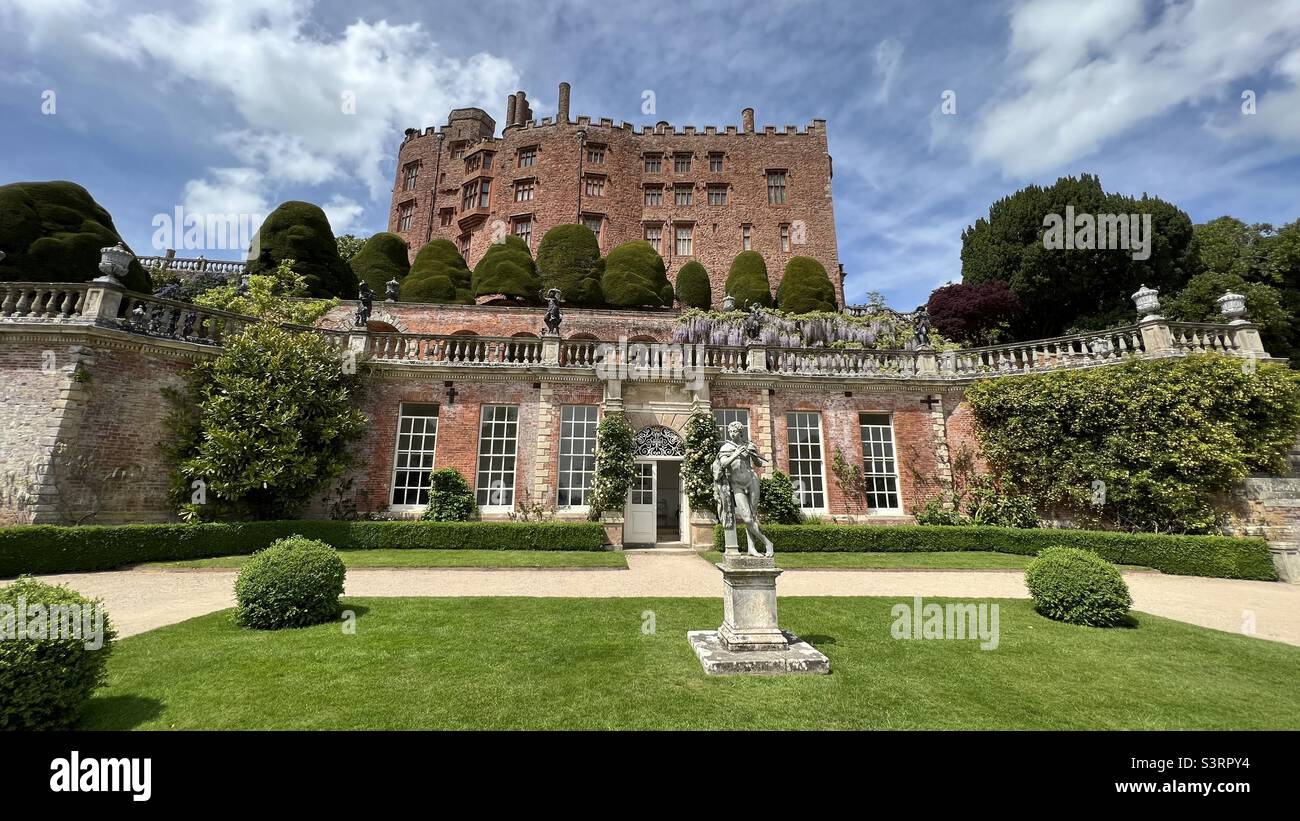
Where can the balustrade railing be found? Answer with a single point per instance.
(53, 301)
(1202, 337)
(1077, 350)
(215, 266)
(841, 362)
(454, 350)
(181, 321)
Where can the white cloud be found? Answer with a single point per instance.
(342, 213)
(1090, 71)
(886, 57)
(237, 190)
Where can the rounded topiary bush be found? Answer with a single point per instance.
(50, 669)
(451, 499)
(635, 277)
(693, 288)
(747, 280)
(1078, 587)
(508, 270)
(439, 274)
(382, 258)
(568, 258)
(805, 288)
(296, 582)
(301, 232)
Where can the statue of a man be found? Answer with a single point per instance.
(365, 299)
(735, 486)
(552, 319)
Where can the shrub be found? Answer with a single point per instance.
(383, 257)
(805, 288)
(568, 258)
(776, 500)
(693, 287)
(451, 499)
(1165, 437)
(635, 276)
(299, 231)
(274, 295)
(508, 269)
(976, 314)
(52, 232)
(46, 681)
(264, 424)
(702, 441)
(934, 512)
(296, 582)
(1078, 587)
(1224, 557)
(747, 280)
(614, 468)
(439, 274)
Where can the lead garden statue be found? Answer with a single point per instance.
(735, 487)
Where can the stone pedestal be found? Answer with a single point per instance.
(750, 640)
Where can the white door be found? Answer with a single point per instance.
(639, 524)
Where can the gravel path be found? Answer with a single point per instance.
(140, 600)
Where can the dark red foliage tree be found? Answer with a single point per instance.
(973, 314)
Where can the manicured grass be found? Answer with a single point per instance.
(947, 560)
(416, 557)
(588, 664)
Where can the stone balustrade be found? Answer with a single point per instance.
(215, 266)
(53, 301)
(1074, 351)
(454, 350)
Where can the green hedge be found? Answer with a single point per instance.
(59, 549)
(1224, 557)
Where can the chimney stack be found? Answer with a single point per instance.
(747, 120)
(510, 110)
(562, 107)
(522, 112)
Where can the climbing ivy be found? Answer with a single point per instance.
(614, 468)
(702, 443)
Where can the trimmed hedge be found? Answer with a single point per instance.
(1224, 557)
(295, 582)
(1078, 587)
(60, 549)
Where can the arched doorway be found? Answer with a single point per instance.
(656, 511)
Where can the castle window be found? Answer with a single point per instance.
(715, 163)
(417, 437)
(804, 443)
(527, 156)
(654, 195)
(487, 160)
(776, 187)
(497, 442)
(473, 162)
(409, 175)
(682, 163)
(653, 163)
(593, 222)
(717, 195)
(524, 230)
(785, 237)
(879, 466)
(596, 154)
(577, 454)
(745, 244)
(445, 216)
(524, 190)
(458, 151)
(685, 236)
(464, 246)
(683, 194)
(468, 194)
(404, 215)
(483, 189)
(654, 234)
(595, 186)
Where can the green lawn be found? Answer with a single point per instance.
(442, 558)
(900, 560)
(587, 664)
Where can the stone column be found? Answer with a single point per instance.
(550, 349)
(1157, 339)
(544, 458)
(103, 300)
(756, 356)
(927, 364)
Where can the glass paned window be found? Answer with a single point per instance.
(725, 416)
(804, 441)
(498, 434)
(417, 435)
(642, 491)
(684, 241)
(776, 187)
(879, 465)
(577, 454)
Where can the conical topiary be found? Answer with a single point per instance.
(300, 231)
(693, 288)
(568, 258)
(635, 277)
(383, 257)
(747, 280)
(805, 288)
(508, 269)
(439, 274)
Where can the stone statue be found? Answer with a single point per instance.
(754, 322)
(365, 300)
(553, 318)
(391, 289)
(735, 486)
(921, 328)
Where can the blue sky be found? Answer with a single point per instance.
(236, 106)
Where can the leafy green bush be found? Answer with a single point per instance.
(451, 499)
(701, 441)
(614, 461)
(299, 231)
(439, 274)
(1165, 437)
(776, 500)
(60, 549)
(747, 280)
(568, 258)
(805, 287)
(508, 269)
(934, 512)
(296, 582)
(383, 257)
(52, 232)
(263, 425)
(48, 673)
(693, 288)
(635, 277)
(1224, 557)
(1078, 587)
(275, 295)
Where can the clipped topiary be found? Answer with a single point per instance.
(52, 232)
(568, 258)
(451, 499)
(439, 274)
(383, 257)
(776, 500)
(50, 669)
(300, 231)
(296, 582)
(508, 269)
(805, 288)
(693, 289)
(747, 280)
(1078, 587)
(635, 277)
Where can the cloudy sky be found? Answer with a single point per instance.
(235, 106)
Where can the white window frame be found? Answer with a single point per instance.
(398, 451)
(684, 234)
(656, 242)
(888, 453)
(527, 157)
(821, 447)
(509, 448)
(526, 236)
(590, 420)
(654, 196)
